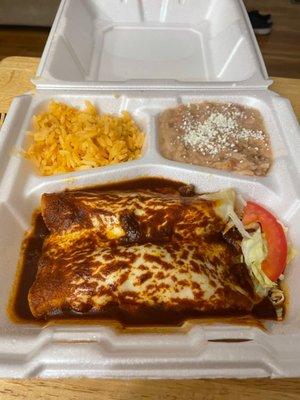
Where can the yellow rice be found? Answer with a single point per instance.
(66, 139)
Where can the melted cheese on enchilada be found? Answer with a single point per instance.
(203, 276)
(135, 217)
(137, 250)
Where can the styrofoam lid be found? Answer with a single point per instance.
(151, 44)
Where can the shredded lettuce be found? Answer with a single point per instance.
(254, 246)
(255, 251)
(225, 200)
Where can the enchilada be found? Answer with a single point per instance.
(145, 251)
(137, 216)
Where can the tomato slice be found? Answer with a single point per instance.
(275, 263)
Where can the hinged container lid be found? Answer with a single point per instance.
(151, 44)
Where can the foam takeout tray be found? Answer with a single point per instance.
(226, 66)
(151, 44)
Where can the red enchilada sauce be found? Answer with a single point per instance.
(19, 310)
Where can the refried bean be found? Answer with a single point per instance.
(225, 136)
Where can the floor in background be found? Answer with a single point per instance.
(281, 49)
(22, 41)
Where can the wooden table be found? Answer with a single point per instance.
(15, 73)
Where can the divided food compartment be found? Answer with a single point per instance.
(194, 349)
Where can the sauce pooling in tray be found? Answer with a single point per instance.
(148, 251)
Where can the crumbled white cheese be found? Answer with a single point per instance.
(220, 131)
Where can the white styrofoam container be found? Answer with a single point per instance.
(145, 56)
(151, 44)
(102, 351)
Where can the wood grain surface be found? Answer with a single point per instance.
(15, 74)
(280, 49)
(22, 40)
(92, 389)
